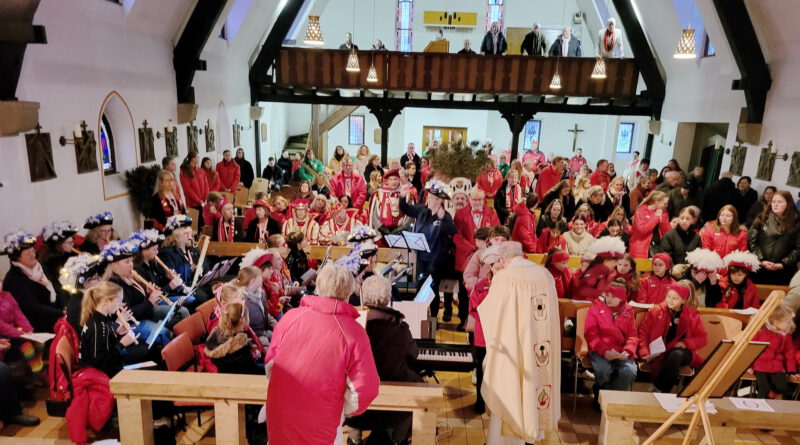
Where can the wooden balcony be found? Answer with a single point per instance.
(456, 73)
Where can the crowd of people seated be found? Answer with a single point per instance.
(116, 301)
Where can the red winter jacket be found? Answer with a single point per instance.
(525, 228)
(228, 174)
(603, 331)
(563, 280)
(548, 178)
(644, 223)
(196, 189)
(58, 381)
(779, 355)
(476, 297)
(721, 241)
(731, 295)
(321, 378)
(591, 283)
(653, 290)
(358, 188)
(490, 187)
(213, 183)
(92, 405)
(547, 242)
(690, 331)
(600, 178)
(464, 239)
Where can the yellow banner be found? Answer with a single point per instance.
(444, 18)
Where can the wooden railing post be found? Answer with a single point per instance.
(136, 421)
(423, 426)
(229, 423)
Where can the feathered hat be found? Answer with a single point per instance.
(438, 188)
(363, 233)
(58, 231)
(146, 238)
(119, 250)
(256, 257)
(744, 260)
(358, 258)
(705, 260)
(175, 222)
(101, 219)
(78, 269)
(15, 242)
(607, 247)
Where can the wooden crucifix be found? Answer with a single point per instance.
(575, 132)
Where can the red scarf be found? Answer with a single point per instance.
(609, 40)
(225, 231)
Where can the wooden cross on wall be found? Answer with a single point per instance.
(575, 132)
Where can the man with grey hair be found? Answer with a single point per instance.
(609, 41)
(534, 43)
(467, 49)
(522, 369)
(566, 45)
(494, 42)
(671, 181)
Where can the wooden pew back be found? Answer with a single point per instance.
(574, 262)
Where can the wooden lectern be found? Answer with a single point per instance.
(438, 46)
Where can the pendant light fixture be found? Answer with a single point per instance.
(372, 75)
(555, 83)
(686, 47)
(313, 32)
(352, 59)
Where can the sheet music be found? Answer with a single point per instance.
(396, 241)
(425, 294)
(142, 365)
(640, 305)
(415, 313)
(751, 404)
(416, 241)
(657, 347)
(748, 311)
(154, 335)
(38, 337)
(671, 403)
(219, 270)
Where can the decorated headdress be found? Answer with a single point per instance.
(335, 208)
(77, 270)
(744, 260)
(390, 173)
(16, 242)
(58, 231)
(461, 185)
(256, 257)
(438, 188)
(300, 204)
(175, 222)
(607, 247)
(705, 260)
(119, 250)
(358, 258)
(363, 233)
(261, 203)
(147, 238)
(98, 220)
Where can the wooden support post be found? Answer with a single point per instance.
(516, 123)
(385, 116)
(615, 430)
(230, 423)
(423, 426)
(137, 427)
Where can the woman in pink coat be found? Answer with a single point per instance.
(651, 214)
(724, 235)
(320, 365)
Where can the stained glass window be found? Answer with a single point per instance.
(107, 147)
(494, 13)
(625, 137)
(405, 17)
(533, 132)
(355, 134)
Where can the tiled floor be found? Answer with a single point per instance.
(458, 424)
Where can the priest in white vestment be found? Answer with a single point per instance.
(522, 369)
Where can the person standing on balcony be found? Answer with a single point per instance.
(494, 42)
(467, 49)
(534, 43)
(609, 43)
(348, 42)
(410, 155)
(565, 45)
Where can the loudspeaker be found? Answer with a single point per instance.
(654, 127)
(187, 113)
(18, 117)
(376, 138)
(256, 113)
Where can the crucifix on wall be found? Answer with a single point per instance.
(575, 132)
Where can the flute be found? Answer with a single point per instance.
(150, 286)
(76, 251)
(124, 323)
(170, 273)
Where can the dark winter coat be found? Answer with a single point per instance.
(33, 299)
(677, 243)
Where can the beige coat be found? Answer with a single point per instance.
(522, 369)
(578, 245)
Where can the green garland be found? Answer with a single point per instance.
(141, 183)
(459, 160)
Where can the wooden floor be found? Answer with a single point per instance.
(458, 424)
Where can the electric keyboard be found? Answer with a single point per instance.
(444, 356)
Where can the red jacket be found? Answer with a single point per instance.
(210, 219)
(58, 381)
(548, 178)
(600, 178)
(603, 331)
(213, 183)
(644, 223)
(591, 283)
(228, 174)
(547, 242)
(464, 239)
(489, 182)
(358, 188)
(476, 297)
(525, 228)
(779, 355)
(196, 189)
(721, 241)
(312, 380)
(690, 331)
(653, 290)
(92, 405)
(563, 280)
(731, 295)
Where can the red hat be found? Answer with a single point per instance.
(392, 172)
(663, 257)
(300, 204)
(617, 291)
(558, 257)
(262, 259)
(261, 203)
(681, 290)
(335, 208)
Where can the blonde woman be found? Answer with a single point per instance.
(101, 232)
(582, 185)
(362, 160)
(167, 199)
(100, 342)
(178, 251)
(375, 182)
(651, 213)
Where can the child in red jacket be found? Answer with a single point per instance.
(610, 332)
(552, 238)
(479, 292)
(740, 292)
(556, 264)
(607, 251)
(778, 359)
(626, 269)
(655, 284)
(676, 326)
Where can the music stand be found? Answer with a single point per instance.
(154, 334)
(409, 241)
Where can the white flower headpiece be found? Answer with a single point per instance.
(745, 260)
(17, 241)
(607, 247)
(146, 237)
(705, 260)
(98, 220)
(58, 231)
(439, 188)
(77, 269)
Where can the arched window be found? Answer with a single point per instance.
(107, 147)
(403, 21)
(494, 13)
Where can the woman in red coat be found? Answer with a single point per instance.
(675, 325)
(214, 184)
(778, 360)
(655, 284)
(194, 182)
(610, 332)
(552, 238)
(598, 275)
(724, 235)
(651, 215)
(740, 291)
(524, 230)
(556, 264)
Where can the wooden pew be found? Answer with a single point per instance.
(135, 391)
(216, 248)
(574, 262)
(765, 289)
(622, 408)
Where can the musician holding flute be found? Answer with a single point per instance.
(59, 246)
(179, 252)
(153, 270)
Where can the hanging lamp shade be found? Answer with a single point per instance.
(686, 48)
(372, 75)
(555, 84)
(352, 62)
(313, 32)
(599, 71)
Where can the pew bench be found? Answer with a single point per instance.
(622, 408)
(135, 391)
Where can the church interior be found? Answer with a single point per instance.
(102, 99)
